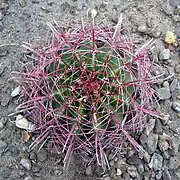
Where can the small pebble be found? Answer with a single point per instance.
(150, 126)
(165, 118)
(143, 139)
(92, 13)
(118, 172)
(42, 155)
(145, 155)
(132, 171)
(32, 156)
(165, 84)
(155, 32)
(152, 142)
(3, 52)
(50, 3)
(158, 127)
(22, 3)
(140, 168)
(26, 163)
(142, 28)
(156, 162)
(16, 91)
(149, 22)
(170, 37)
(57, 172)
(164, 54)
(158, 175)
(166, 155)
(176, 106)
(174, 162)
(164, 93)
(45, 9)
(163, 145)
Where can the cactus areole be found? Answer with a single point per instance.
(86, 91)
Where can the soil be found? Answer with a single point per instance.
(26, 20)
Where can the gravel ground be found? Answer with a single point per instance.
(25, 20)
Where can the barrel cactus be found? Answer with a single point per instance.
(86, 91)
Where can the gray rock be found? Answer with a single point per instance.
(152, 142)
(3, 146)
(159, 175)
(57, 172)
(134, 160)
(155, 32)
(142, 28)
(156, 162)
(45, 9)
(140, 168)
(156, 70)
(166, 155)
(32, 156)
(175, 146)
(143, 139)
(50, 3)
(26, 163)
(165, 118)
(165, 84)
(158, 127)
(174, 162)
(164, 54)
(3, 52)
(146, 156)
(118, 172)
(132, 171)
(130, 153)
(166, 175)
(176, 106)
(150, 126)
(173, 85)
(164, 93)
(42, 155)
(16, 91)
(174, 3)
(163, 143)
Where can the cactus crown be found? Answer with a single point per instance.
(86, 90)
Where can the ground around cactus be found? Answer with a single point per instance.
(25, 20)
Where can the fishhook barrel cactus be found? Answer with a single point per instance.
(86, 90)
